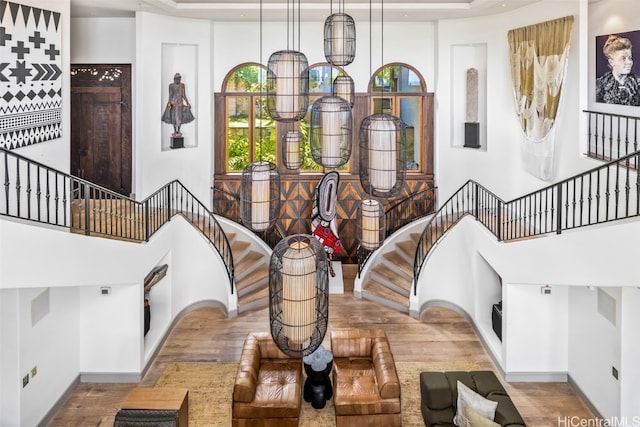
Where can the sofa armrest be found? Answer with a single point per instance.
(385, 369)
(247, 376)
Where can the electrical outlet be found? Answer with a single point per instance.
(25, 380)
(614, 372)
(34, 371)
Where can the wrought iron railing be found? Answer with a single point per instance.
(39, 193)
(611, 136)
(607, 193)
(412, 207)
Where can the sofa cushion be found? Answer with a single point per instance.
(474, 419)
(469, 398)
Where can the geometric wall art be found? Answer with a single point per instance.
(30, 75)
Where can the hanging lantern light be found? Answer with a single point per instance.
(260, 195)
(344, 88)
(382, 154)
(298, 295)
(330, 131)
(291, 149)
(287, 86)
(371, 224)
(339, 39)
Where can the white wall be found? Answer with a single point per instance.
(155, 167)
(535, 332)
(103, 41)
(85, 332)
(629, 366)
(455, 165)
(594, 348)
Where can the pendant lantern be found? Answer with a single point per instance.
(260, 195)
(344, 88)
(291, 150)
(298, 295)
(382, 154)
(330, 131)
(339, 39)
(371, 224)
(287, 85)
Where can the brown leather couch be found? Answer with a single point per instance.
(365, 381)
(268, 386)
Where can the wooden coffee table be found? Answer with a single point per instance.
(159, 398)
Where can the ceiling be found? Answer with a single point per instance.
(310, 10)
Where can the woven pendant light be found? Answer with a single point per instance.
(330, 131)
(287, 85)
(260, 195)
(298, 295)
(371, 226)
(291, 150)
(382, 154)
(339, 39)
(344, 87)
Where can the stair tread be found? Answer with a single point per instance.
(251, 297)
(400, 262)
(260, 273)
(408, 247)
(392, 276)
(239, 246)
(247, 261)
(378, 289)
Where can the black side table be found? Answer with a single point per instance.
(317, 386)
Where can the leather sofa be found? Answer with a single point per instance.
(365, 381)
(268, 387)
(439, 395)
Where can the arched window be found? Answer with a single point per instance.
(250, 132)
(398, 89)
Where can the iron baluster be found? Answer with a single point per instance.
(18, 187)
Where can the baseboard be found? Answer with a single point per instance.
(584, 398)
(536, 377)
(59, 403)
(110, 377)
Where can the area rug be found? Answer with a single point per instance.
(211, 385)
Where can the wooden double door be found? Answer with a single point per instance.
(101, 125)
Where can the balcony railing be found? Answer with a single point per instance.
(607, 193)
(611, 136)
(36, 192)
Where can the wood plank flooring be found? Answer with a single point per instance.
(441, 335)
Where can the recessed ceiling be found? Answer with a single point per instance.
(310, 10)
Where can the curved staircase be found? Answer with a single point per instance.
(251, 274)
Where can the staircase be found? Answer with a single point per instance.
(389, 282)
(251, 274)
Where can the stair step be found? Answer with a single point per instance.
(407, 249)
(258, 278)
(400, 263)
(394, 280)
(247, 263)
(238, 247)
(254, 300)
(377, 292)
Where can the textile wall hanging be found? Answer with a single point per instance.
(538, 56)
(30, 75)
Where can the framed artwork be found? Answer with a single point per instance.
(30, 75)
(617, 75)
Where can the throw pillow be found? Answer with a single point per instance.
(477, 420)
(468, 397)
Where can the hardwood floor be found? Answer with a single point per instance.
(441, 335)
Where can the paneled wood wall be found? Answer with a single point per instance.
(296, 202)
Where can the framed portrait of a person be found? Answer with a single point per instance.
(617, 76)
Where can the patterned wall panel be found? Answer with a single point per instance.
(296, 199)
(30, 75)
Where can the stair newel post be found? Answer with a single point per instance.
(169, 202)
(146, 220)
(499, 220)
(559, 209)
(87, 216)
(476, 202)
